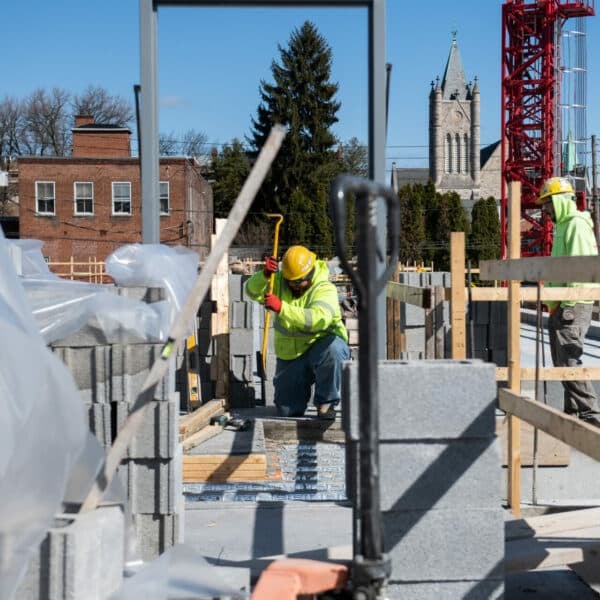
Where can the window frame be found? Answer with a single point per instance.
(115, 213)
(38, 199)
(160, 198)
(76, 199)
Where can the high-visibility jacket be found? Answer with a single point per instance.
(573, 236)
(301, 321)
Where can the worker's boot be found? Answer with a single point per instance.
(326, 412)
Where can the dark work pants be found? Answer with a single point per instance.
(320, 365)
(566, 345)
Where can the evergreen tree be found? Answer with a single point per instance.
(484, 241)
(449, 216)
(430, 203)
(231, 168)
(302, 98)
(412, 223)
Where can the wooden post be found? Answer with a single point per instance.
(514, 348)
(393, 323)
(220, 321)
(457, 294)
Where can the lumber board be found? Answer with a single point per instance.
(545, 525)
(529, 294)
(552, 373)
(195, 439)
(224, 468)
(572, 431)
(414, 295)
(200, 418)
(565, 269)
(458, 349)
(551, 452)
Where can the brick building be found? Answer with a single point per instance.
(86, 205)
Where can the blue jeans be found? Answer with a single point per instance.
(320, 365)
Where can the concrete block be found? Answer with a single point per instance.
(100, 423)
(241, 341)
(447, 544)
(157, 533)
(236, 285)
(90, 367)
(153, 485)
(427, 399)
(445, 474)
(240, 315)
(158, 436)
(130, 365)
(142, 293)
(414, 336)
(411, 316)
(81, 558)
(483, 589)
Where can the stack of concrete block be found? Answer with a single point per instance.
(412, 318)
(109, 376)
(490, 332)
(81, 557)
(246, 332)
(440, 476)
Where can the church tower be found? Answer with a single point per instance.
(454, 131)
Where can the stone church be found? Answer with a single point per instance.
(457, 162)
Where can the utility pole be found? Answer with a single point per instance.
(595, 199)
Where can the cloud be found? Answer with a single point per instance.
(173, 101)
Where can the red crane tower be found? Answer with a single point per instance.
(531, 80)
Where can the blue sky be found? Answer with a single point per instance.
(211, 60)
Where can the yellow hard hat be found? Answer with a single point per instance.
(297, 262)
(554, 185)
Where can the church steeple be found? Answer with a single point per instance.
(454, 83)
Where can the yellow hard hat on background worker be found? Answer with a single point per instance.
(297, 263)
(554, 185)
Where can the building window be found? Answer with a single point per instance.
(84, 198)
(164, 197)
(459, 153)
(121, 198)
(44, 197)
(448, 154)
(467, 153)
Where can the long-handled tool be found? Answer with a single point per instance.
(371, 567)
(263, 354)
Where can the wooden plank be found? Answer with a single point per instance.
(529, 294)
(545, 525)
(543, 268)
(416, 296)
(200, 418)
(514, 349)
(224, 468)
(553, 373)
(572, 431)
(457, 295)
(195, 439)
(551, 452)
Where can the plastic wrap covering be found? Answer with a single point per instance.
(62, 307)
(42, 430)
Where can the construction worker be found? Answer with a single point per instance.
(311, 342)
(569, 321)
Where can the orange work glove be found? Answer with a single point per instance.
(272, 302)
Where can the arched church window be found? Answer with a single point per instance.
(467, 166)
(448, 153)
(459, 153)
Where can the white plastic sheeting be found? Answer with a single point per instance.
(42, 429)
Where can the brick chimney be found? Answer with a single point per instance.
(94, 140)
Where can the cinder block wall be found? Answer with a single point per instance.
(109, 373)
(439, 476)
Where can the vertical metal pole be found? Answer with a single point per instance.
(595, 198)
(148, 145)
(377, 137)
